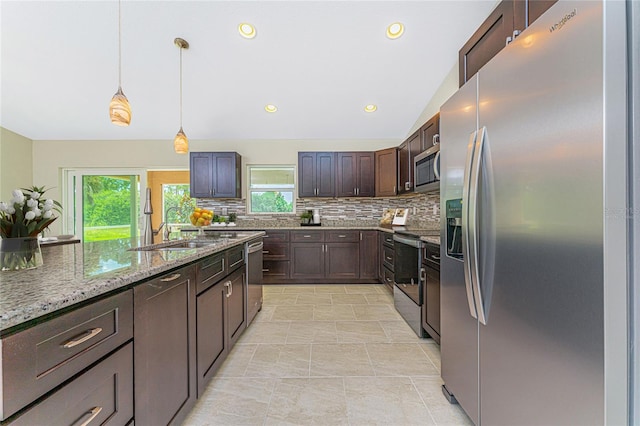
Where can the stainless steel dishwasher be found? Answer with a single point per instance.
(254, 278)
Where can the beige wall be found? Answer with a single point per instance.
(448, 87)
(16, 163)
(50, 157)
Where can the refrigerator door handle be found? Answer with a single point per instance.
(466, 254)
(472, 229)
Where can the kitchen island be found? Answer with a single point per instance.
(70, 351)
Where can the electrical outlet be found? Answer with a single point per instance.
(225, 211)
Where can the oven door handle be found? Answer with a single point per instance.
(408, 241)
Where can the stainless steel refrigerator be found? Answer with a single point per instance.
(534, 257)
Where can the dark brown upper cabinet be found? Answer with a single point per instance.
(316, 174)
(215, 174)
(406, 153)
(386, 175)
(355, 174)
(508, 19)
(430, 133)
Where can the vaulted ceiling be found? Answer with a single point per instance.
(319, 62)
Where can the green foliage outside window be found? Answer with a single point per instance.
(270, 201)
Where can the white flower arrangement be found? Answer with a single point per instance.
(27, 213)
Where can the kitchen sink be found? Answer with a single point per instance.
(178, 245)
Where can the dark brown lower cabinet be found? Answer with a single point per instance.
(102, 395)
(342, 261)
(220, 322)
(368, 254)
(165, 348)
(431, 294)
(307, 260)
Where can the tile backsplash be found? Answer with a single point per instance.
(424, 210)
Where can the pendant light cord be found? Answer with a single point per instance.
(180, 87)
(119, 46)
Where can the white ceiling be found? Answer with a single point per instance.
(320, 62)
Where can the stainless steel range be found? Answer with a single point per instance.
(409, 276)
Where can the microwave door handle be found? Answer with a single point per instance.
(473, 224)
(436, 166)
(465, 225)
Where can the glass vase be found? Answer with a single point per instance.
(20, 253)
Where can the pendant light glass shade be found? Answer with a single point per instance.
(119, 109)
(181, 143)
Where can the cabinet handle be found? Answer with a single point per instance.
(389, 258)
(170, 278)
(436, 139)
(93, 414)
(265, 251)
(306, 236)
(342, 236)
(423, 275)
(360, 236)
(388, 279)
(357, 191)
(89, 334)
(229, 286)
(213, 191)
(265, 270)
(394, 189)
(265, 236)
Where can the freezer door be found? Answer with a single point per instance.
(541, 101)
(459, 328)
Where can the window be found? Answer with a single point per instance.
(177, 205)
(271, 189)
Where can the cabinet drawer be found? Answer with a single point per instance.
(342, 236)
(431, 256)
(36, 360)
(235, 257)
(387, 278)
(209, 271)
(273, 269)
(388, 256)
(275, 251)
(387, 238)
(103, 395)
(276, 236)
(307, 237)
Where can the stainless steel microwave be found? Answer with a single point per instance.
(426, 168)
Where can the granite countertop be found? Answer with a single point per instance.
(74, 273)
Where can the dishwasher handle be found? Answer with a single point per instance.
(254, 247)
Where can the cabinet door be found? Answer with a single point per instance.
(347, 174)
(487, 41)
(226, 175)
(386, 172)
(406, 153)
(306, 174)
(431, 304)
(165, 348)
(342, 260)
(307, 260)
(429, 132)
(369, 254)
(325, 174)
(200, 174)
(365, 169)
(212, 347)
(236, 296)
(527, 11)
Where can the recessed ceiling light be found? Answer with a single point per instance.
(370, 108)
(395, 30)
(247, 30)
(270, 108)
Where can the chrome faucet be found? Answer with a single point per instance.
(167, 228)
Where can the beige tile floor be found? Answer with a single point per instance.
(328, 355)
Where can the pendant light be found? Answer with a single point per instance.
(119, 109)
(181, 143)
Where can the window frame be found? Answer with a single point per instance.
(249, 190)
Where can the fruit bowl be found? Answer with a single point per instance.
(200, 218)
